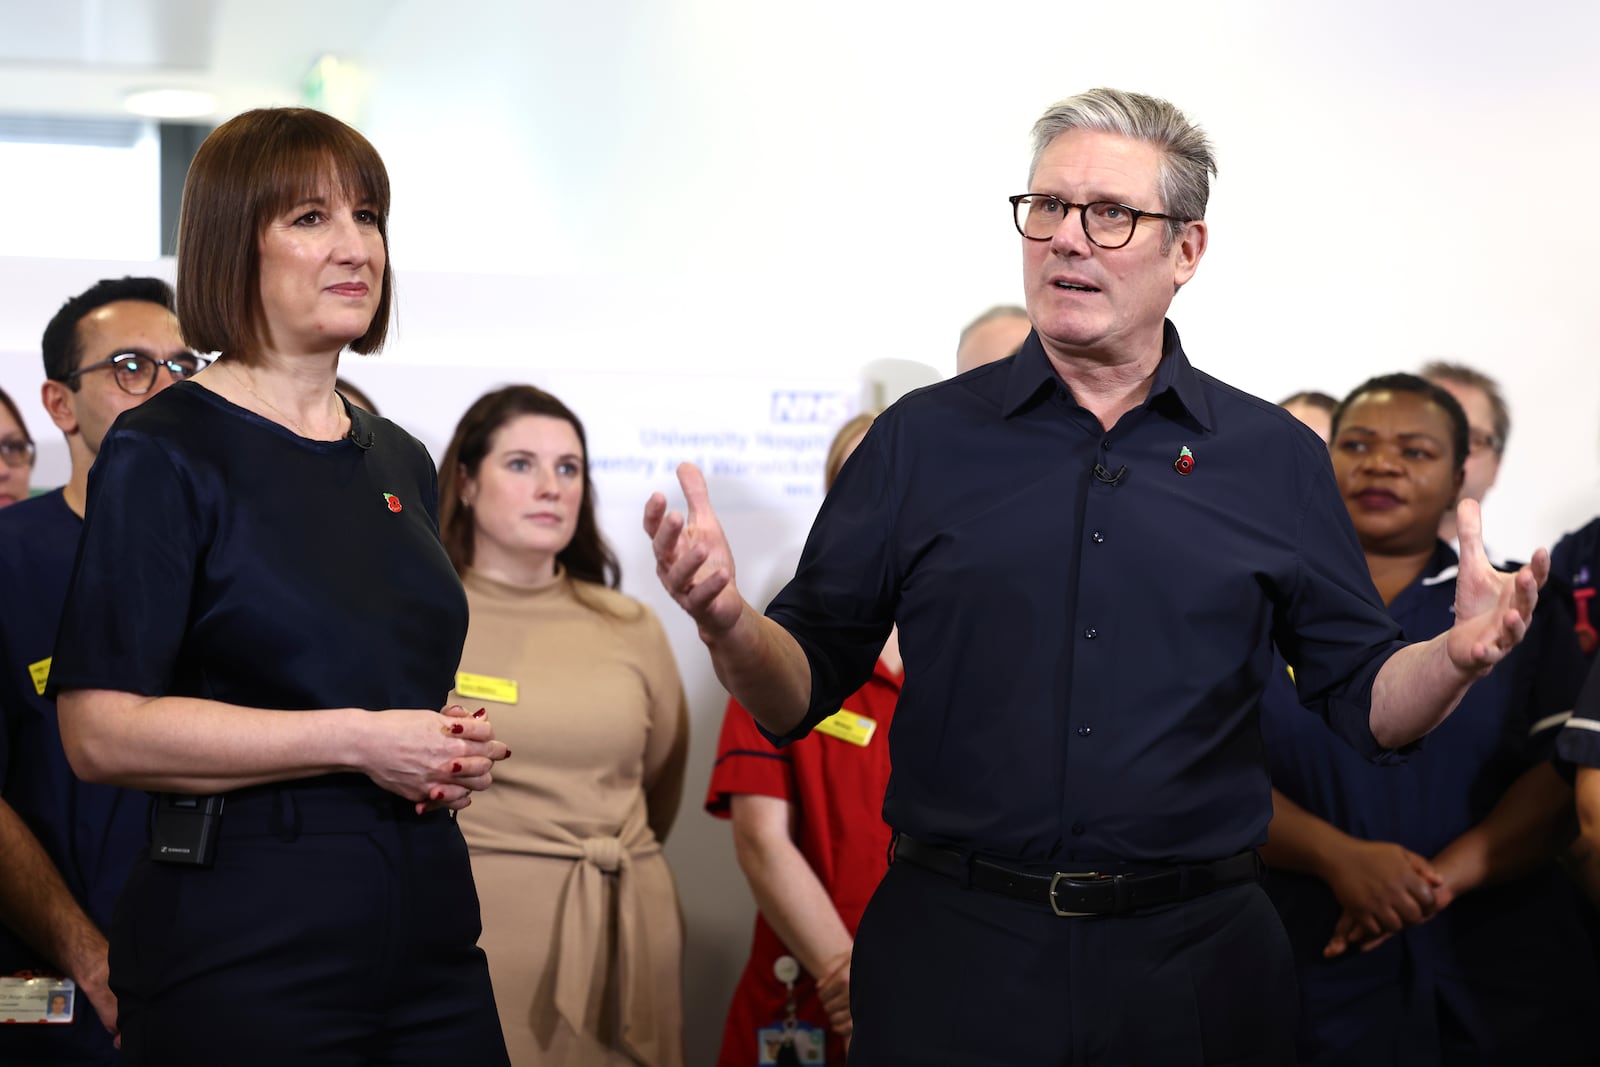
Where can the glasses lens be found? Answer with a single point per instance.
(186, 365)
(1109, 225)
(1038, 216)
(15, 452)
(134, 373)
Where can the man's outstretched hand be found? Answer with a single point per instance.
(1492, 608)
(693, 559)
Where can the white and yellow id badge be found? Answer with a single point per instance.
(40, 673)
(37, 1000)
(486, 687)
(846, 725)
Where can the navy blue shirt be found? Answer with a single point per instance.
(1579, 741)
(92, 833)
(1512, 961)
(1085, 652)
(1576, 561)
(225, 557)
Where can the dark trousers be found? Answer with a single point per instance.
(336, 929)
(82, 1043)
(947, 975)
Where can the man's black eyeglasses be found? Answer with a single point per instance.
(135, 372)
(1105, 222)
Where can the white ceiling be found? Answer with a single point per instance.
(81, 57)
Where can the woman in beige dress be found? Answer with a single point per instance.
(581, 922)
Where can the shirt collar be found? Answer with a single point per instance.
(1032, 372)
(1443, 567)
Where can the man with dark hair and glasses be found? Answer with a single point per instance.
(1091, 550)
(66, 846)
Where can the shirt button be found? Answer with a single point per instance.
(1098, 537)
(1085, 730)
(1091, 633)
(1077, 829)
(1106, 444)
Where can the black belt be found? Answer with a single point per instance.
(1083, 892)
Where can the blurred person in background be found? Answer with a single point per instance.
(1312, 408)
(995, 334)
(1578, 754)
(16, 453)
(66, 846)
(581, 920)
(809, 833)
(353, 393)
(1575, 560)
(1488, 430)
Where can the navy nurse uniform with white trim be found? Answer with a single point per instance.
(1505, 973)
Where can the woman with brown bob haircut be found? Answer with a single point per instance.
(580, 913)
(261, 629)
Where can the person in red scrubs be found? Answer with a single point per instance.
(809, 833)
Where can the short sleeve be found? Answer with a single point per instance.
(127, 607)
(1579, 741)
(1332, 627)
(1557, 669)
(840, 605)
(747, 763)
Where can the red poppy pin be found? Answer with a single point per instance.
(1184, 464)
(392, 500)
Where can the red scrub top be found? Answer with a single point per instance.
(836, 788)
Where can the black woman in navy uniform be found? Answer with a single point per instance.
(1429, 921)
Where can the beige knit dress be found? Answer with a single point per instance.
(581, 921)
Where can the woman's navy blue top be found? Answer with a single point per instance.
(225, 557)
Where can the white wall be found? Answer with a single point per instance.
(687, 188)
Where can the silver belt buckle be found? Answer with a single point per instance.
(1082, 876)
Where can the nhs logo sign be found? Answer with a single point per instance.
(800, 405)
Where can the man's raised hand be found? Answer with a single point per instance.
(693, 559)
(1493, 608)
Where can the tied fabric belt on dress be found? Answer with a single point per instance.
(582, 921)
(1086, 891)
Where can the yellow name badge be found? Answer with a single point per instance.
(846, 725)
(486, 687)
(40, 673)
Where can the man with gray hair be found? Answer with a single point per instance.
(1090, 554)
(995, 334)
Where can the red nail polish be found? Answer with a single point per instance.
(508, 752)
(438, 794)
(480, 713)
(457, 728)
(455, 767)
